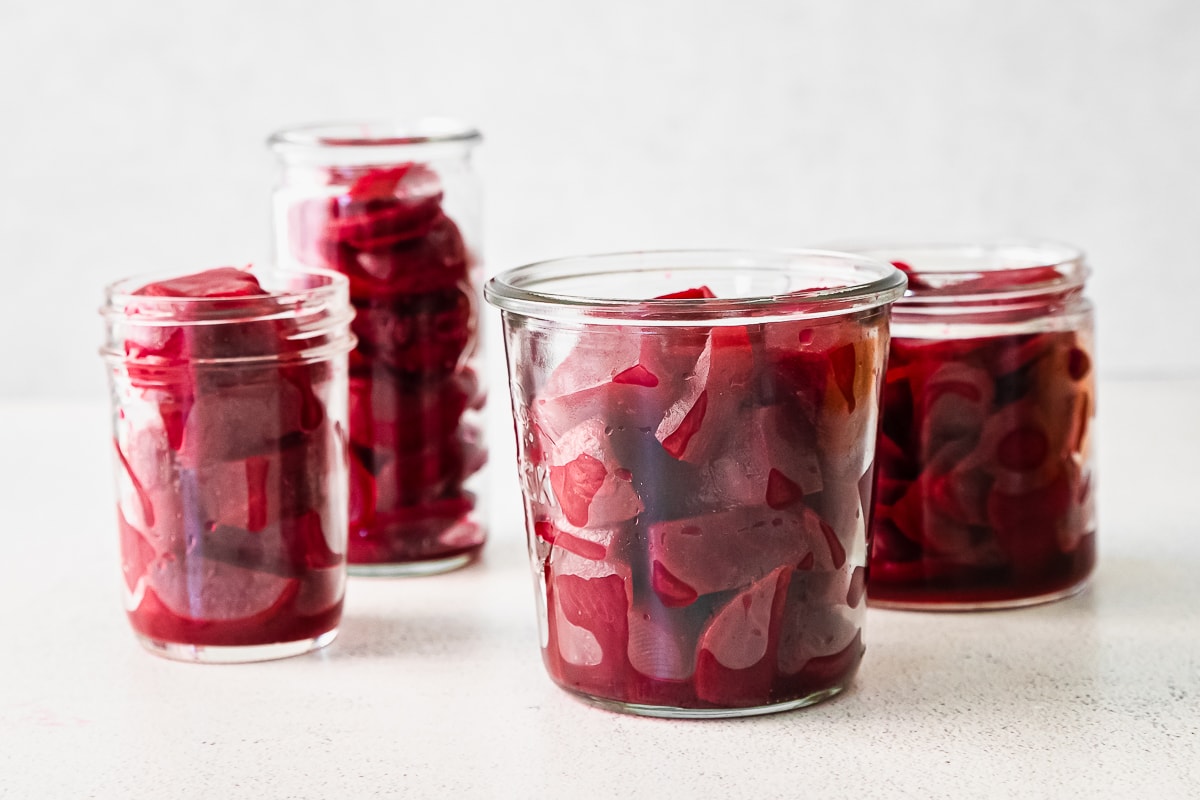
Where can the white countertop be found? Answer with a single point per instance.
(435, 686)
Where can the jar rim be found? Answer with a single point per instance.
(858, 283)
(315, 303)
(119, 295)
(374, 134)
(993, 269)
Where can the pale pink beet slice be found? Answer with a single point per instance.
(137, 554)
(662, 643)
(736, 662)
(739, 634)
(591, 485)
(816, 621)
(249, 417)
(591, 622)
(593, 543)
(695, 425)
(187, 588)
(771, 460)
(626, 380)
(725, 550)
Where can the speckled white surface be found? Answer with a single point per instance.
(435, 686)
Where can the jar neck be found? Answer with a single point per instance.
(301, 315)
(994, 282)
(367, 144)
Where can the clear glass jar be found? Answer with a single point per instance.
(695, 470)
(229, 417)
(396, 209)
(986, 492)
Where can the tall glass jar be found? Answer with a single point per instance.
(986, 493)
(395, 207)
(229, 417)
(695, 437)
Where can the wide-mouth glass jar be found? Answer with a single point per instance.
(695, 436)
(229, 417)
(986, 492)
(394, 206)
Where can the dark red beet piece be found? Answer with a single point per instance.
(699, 293)
(416, 320)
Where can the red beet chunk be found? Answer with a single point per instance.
(590, 485)
(698, 293)
(694, 427)
(212, 283)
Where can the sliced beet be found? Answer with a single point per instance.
(736, 664)
(726, 550)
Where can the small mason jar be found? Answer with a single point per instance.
(229, 417)
(395, 208)
(695, 438)
(986, 488)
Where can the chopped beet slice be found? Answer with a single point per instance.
(672, 591)
(662, 644)
(637, 375)
(575, 484)
(737, 651)
(599, 606)
(589, 483)
(219, 282)
(137, 553)
(730, 549)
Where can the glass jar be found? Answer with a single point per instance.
(986, 492)
(229, 416)
(396, 209)
(695, 437)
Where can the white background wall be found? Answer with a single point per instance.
(132, 137)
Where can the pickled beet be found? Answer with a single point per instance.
(698, 542)
(223, 472)
(414, 396)
(981, 497)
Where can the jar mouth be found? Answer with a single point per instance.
(627, 287)
(301, 315)
(1008, 269)
(375, 134)
(284, 292)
